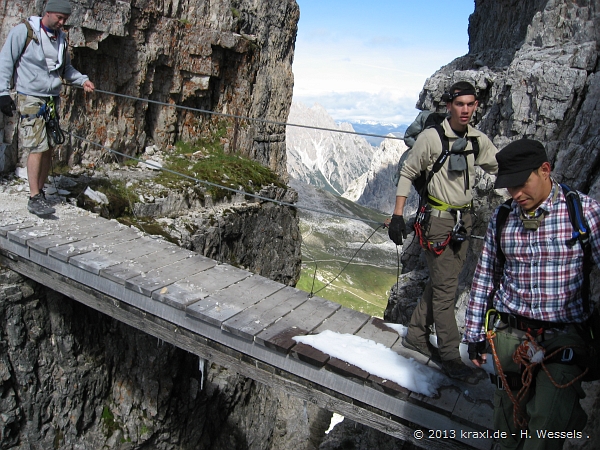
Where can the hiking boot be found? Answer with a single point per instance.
(39, 206)
(424, 349)
(455, 368)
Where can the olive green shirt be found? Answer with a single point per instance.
(450, 187)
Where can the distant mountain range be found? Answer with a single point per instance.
(324, 159)
(344, 164)
(343, 174)
(381, 129)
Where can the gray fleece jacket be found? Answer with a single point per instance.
(30, 71)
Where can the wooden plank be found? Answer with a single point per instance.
(257, 317)
(228, 302)
(42, 244)
(476, 404)
(185, 292)
(35, 230)
(166, 275)
(118, 233)
(309, 355)
(14, 247)
(376, 330)
(120, 273)
(444, 402)
(104, 257)
(300, 321)
(388, 387)
(15, 226)
(347, 370)
(69, 231)
(23, 235)
(344, 320)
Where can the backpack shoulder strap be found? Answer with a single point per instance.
(437, 165)
(445, 150)
(30, 35)
(581, 234)
(501, 218)
(475, 144)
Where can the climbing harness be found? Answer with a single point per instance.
(437, 208)
(48, 112)
(531, 356)
(429, 205)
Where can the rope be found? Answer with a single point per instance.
(530, 355)
(347, 264)
(237, 191)
(235, 116)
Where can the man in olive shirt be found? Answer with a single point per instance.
(449, 200)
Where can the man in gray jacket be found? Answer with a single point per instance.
(36, 59)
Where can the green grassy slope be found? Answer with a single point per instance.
(329, 242)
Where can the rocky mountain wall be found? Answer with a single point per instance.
(325, 159)
(535, 65)
(233, 57)
(73, 378)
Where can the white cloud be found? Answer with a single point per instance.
(354, 79)
(353, 106)
(349, 51)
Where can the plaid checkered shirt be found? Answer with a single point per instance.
(542, 275)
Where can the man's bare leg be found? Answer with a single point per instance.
(38, 168)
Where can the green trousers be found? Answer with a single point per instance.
(438, 301)
(547, 407)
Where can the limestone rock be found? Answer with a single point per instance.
(231, 57)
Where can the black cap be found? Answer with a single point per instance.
(517, 160)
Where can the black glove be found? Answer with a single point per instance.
(7, 105)
(476, 349)
(397, 229)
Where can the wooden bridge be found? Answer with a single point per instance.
(239, 320)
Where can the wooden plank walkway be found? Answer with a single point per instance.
(240, 320)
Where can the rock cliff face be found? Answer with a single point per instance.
(536, 67)
(228, 56)
(65, 383)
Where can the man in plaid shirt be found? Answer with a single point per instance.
(538, 295)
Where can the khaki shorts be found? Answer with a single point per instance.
(32, 131)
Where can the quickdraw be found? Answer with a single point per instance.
(52, 123)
